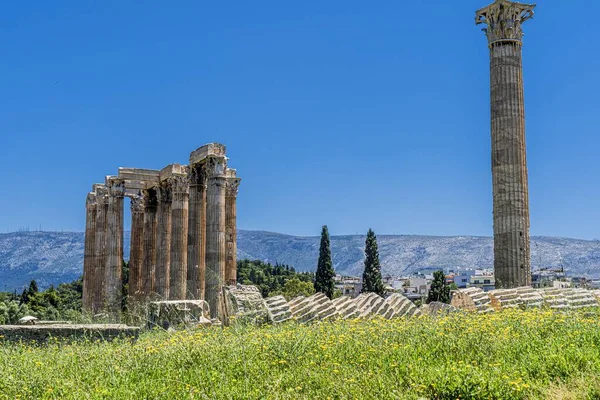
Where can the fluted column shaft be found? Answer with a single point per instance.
(136, 252)
(215, 231)
(512, 262)
(89, 256)
(196, 233)
(231, 230)
(150, 240)
(114, 248)
(512, 258)
(98, 283)
(163, 250)
(179, 236)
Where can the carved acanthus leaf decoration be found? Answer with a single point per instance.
(91, 201)
(504, 19)
(215, 167)
(232, 186)
(138, 203)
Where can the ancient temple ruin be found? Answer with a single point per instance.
(512, 258)
(183, 233)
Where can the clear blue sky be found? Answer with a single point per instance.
(348, 113)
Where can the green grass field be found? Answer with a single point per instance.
(507, 355)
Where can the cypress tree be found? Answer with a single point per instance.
(324, 277)
(440, 290)
(372, 275)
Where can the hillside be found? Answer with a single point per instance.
(55, 257)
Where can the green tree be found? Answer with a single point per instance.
(440, 290)
(294, 287)
(269, 279)
(372, 275)
(324, 277)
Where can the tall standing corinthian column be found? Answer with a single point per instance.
(163, 247)
(233, 183)
(89, 256)
(196, 232)
(179, 235)
(114, 245)
(136, 252)
(150, 239)
(98, 283)
(215, 230)
(512, 263)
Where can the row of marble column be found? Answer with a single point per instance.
(183, 238)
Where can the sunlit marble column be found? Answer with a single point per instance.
(179, 236)
(89, 256)
(150, 243)
(233, 184)
(215, 230)
(196, 233)
(136, 252)
(512, 257)
(114, 245)
(98, 284)
(163, 246)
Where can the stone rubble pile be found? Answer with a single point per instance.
(245, 303)
(475, 299)
(472, 299)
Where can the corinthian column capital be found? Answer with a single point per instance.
(91, 201)
(504, 19)
(197, 175)
(232, 186)
(179, 184)
(215, 167)
(138, 203)
(101, 194)
(116, 186)
(164, 192)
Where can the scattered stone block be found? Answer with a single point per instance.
(346, 307)
(437, 308)
(402, 306)
(177, 313)
(472, 299)
(45, 333)
(278, 309)
(243, 303)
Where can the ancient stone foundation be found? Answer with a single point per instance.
(183, 233)
(46, 333)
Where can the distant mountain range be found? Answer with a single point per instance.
(56, 257)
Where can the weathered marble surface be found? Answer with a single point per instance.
(177, 313)
(183, 234)
(512, 253)
(44, 333)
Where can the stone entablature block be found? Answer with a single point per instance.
(208, 150)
